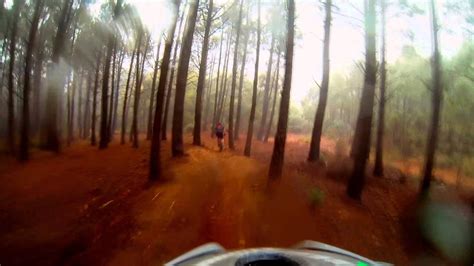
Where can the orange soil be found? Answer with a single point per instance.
(91, 207)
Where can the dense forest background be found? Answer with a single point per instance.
(86, 69)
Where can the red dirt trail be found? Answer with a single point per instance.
(92, 207)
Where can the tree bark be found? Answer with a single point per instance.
(171, 78)
(112, 94)
(315, 146)
(17, 5)
(275, 93)
(276, 164)
(364, 120)
(208, 97)
(134, 129)
(437, 98)
(378, 166)
(25, 138)
(234, 80)
(202, 76)
(155, 158)
(216, 96)
(182, 78)
(152, 94)
(116, 100)
(87, 112)
(55, 78)
(94, 99)
(248, 142)
(223, 90)
(266, 96)
(125, 99)
(38, 81)
(104, 133)
(241, 85)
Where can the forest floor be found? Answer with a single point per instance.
(95, 207)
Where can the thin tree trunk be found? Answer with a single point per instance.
(25, 138)
(38, 82)
(364, 120)
(125, 99)
(223, 90)
(155, 158)
(315, 146)
(241, 85)
(378, 166)
(275, 94)
(202, 77)
(248, 142)
(116, 100)
(276, 164)
(87, 112)
(70, 137)
(177, 147)
(171, 78)
(266, 96)
(104, 134)
(79, 103)
(152, 94)
(94, 99)
(134, 129)
(437, 98)
(234, 80)
(216, 95)
(208, 97)
(17, 5)
(112, 94)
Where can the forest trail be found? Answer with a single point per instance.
(97, 207)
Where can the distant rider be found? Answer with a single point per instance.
(220, 135)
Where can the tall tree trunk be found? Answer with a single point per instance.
(17, 5)
(208, 97)
(266, 96)
(241, 85)
(72, 97)
(437, 98)
(216, 95)
(79, 103)
(94, 98)
(55, 79)
(155, 158)
(276, 164)
(116, 100)
(275, 94)
(234, 80)
(152, 94)
(171, 78)
(182, 78)
(202, 76)
(315, 146)
(364, 119)
(38, 88)
(223, 90)
(378, 166)
(125, 99)
(248, 142)
(25, 138)
(112, 94)
(104, 136)
(134, 129)
(87, 112)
